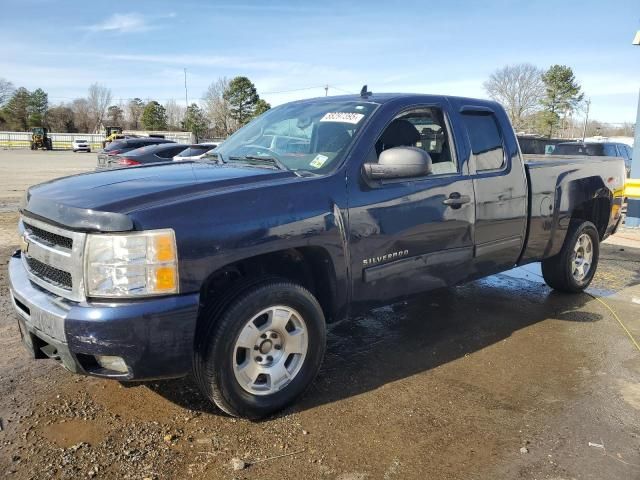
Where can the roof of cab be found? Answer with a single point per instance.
(382, 98)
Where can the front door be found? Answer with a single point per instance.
(412, 234)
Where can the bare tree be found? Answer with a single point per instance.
(6, 90)
(218, 110)
(82, 115)
(61, 119)
(175, 114)
(135, 107)
(519, 88)
(99, 99)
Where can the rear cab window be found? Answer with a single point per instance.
(193, 151)
(142, 150)
(170, 152)
(485, 137)
(116, 145)
(610, 150)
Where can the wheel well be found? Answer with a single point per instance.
(596, 211)
(310, 267)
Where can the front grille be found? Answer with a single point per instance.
(50, 274)
(50, 237)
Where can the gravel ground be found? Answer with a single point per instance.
(498, 379)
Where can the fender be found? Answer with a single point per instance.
(215, 231)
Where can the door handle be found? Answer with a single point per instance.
(456, 200)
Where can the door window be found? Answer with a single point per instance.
(486, 140)
(424, 128)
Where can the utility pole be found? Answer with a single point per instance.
(186, 96)
(633, 204)
(586, 120)
(326, 90)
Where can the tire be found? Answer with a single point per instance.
(573, 268)
(226, 371)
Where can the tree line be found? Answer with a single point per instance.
(225, 106)
(544, 102)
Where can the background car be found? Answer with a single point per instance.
(196, 152)
(81, 145)
(163, 152)
(597, 149)
(119, 147)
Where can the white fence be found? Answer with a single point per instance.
(62, 141)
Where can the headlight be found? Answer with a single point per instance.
(131, 265)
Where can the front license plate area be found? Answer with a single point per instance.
(48, 323)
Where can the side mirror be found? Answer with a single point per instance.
(400, 162)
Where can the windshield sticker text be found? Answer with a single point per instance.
(343, 117)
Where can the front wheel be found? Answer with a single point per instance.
(260, 351)
(573, 268)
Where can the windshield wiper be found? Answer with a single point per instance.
(271, 161)
(213, 156)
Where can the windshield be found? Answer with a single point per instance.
(309, 136)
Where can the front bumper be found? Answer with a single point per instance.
(154, 336)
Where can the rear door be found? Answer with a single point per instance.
(411, 234)
(500, 187)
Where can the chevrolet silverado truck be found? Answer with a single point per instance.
(231, 267)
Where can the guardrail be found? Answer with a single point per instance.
(632, 188)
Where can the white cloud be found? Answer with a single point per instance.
(127, 23)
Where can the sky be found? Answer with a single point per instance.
(292, 50)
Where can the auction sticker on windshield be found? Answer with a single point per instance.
(319, 161)
(343, 117)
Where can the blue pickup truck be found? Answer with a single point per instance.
(230, 268)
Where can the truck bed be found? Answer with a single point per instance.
(556, 185)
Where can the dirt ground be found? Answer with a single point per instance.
(498, 379)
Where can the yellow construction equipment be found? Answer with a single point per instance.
(112, 133)
(39, 139)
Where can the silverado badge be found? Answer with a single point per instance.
(383, 258)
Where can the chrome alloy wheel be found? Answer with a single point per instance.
(270, 350)
(582, 257)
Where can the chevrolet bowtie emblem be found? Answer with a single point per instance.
(24, 243)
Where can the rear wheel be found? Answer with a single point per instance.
(573, 268)
(262, 349)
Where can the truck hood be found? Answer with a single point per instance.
(100, 201)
